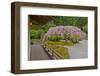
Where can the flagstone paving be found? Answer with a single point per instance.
(79, 50)
(37, 52)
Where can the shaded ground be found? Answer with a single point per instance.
(38, 53)
(79, 50)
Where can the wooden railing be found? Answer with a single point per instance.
(52, 53)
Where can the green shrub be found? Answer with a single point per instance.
(85, 28)
(32, 42)
(55, 38)
(35, 34)
(75, 38)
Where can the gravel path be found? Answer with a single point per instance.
(38, 53)
(79, 50)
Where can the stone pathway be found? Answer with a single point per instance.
(37, 52)
(79, 50)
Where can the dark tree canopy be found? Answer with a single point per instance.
(45, 22)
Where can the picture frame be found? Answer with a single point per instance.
(18, 66)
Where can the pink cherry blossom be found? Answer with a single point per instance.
(62, 30)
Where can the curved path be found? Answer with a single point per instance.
(79, 50)
(37, 52)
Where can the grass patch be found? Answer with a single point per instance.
(63, 43)
(63, 52)
(59, 50)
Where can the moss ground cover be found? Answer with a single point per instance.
(58, 47)
(63, 43)
(63, 52)
(59, 50)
